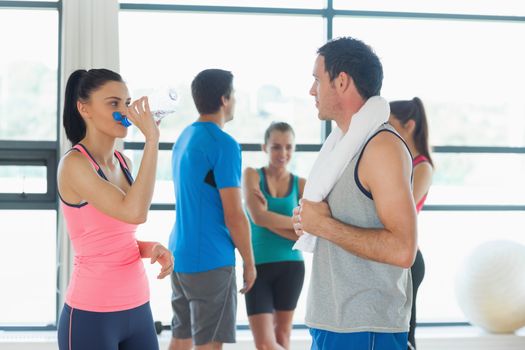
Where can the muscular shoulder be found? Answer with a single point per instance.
(385, 156)
(386, 147)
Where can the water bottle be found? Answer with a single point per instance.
(162, 103)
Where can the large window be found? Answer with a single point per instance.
(29, 267)
(271, 83)
(468, 73)
(470, 82)
(464, 62)
(28, 153)
(28, 74)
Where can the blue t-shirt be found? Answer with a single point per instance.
(205, 159)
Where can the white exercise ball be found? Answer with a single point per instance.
(490, 286)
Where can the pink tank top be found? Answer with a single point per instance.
(418, 160)
(108, 273)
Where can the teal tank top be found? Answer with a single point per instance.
(268, 246)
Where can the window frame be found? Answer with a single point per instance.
(42, 153)
(48, 152)
(328, 13)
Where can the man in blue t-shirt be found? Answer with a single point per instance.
(210, 221)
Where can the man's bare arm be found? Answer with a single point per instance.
(385, 170)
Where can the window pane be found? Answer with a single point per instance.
(23, 179)
(163, 192)
(158, 228)
(445, 239)
(271, 81)
(478, 179)
(29, 267)
(252, 3)
(28, 74)
(480, 7)
(469, 74)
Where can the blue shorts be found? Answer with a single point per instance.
(124, 330)
(326, 340)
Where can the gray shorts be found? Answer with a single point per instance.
(204, 305)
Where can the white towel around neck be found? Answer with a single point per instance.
(336, 153)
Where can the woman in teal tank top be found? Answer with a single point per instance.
(271, 193)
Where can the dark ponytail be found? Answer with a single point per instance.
(80, 85)
(414, 110)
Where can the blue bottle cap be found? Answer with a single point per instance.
(122, 119)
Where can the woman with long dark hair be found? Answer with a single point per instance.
(107, 302)
(410, 121)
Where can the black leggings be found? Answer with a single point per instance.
(277, 287)
(418, 273)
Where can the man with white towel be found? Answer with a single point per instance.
(357, 216)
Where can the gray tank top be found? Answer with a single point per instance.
(348, 293)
